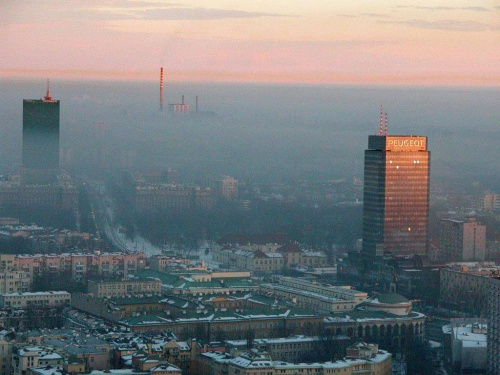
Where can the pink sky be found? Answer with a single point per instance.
(432, 42)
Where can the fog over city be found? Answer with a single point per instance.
(263, 133)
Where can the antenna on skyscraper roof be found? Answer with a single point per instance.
(161, 89)
(47, 94)
(381, 120)
(386, 123)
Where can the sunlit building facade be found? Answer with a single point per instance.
(396, 195)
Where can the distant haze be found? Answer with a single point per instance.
(261, 132)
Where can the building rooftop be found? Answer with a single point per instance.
(34, 294)
(388, 299)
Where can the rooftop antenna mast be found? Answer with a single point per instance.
(381, 120)
(386, 123)
(47, 94)
(161, 89)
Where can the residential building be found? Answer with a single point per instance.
(465, 286)
(36, 299)
(14, 282)
(27, 357)
(7, 341)
(462, 240)
(226, 187)
(491, 202)
(493, 336)
(75, 265)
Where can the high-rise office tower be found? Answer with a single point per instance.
(40, 139)
(396, 195)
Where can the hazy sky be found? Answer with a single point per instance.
(315, 41)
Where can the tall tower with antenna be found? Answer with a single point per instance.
(396, 193)
(40, 139)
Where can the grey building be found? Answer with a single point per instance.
(40, 140)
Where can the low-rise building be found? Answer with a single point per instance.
(209, 325)
(378, 326)
(132, 306)
(320, 298)
(123, 288)
(200, 283)
(370, 362)
(291, 349)
(466, 346)
(35, 299)
(161, 262)
(25, 358)
(269, 258)
(389, 302)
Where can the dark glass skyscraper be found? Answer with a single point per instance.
(396, 195)
(41, 134)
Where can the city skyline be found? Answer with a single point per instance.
(428, 43)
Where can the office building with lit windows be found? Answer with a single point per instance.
(396, 195)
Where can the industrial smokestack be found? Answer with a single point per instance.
(161, 89)
(182, 99)
(196, 106)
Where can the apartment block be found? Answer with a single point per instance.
(36, 299)
(14, 282)
(463, 240)
(493, 339)
(465, 286)
(75, 265)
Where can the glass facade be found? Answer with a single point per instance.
(41, 134)
(396, 195)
